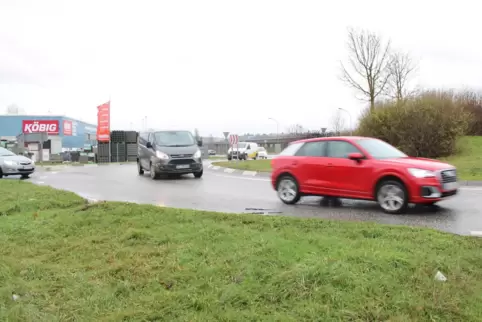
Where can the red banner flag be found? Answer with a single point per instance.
(103, 122)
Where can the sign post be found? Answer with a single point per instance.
(234, 139)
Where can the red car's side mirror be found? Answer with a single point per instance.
(355, 156)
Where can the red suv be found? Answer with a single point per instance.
(360, 168)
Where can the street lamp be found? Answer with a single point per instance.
(277, 129)
(349, 115)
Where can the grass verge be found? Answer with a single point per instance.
(249, 165)
(469, 159)
(70, 261)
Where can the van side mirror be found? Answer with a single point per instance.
(149, 145)
(200, 143)
(355, 156)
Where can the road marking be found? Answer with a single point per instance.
(90, 165)
(238, 177)
(249, 173)
(471, 188)
(40, 182)
(210, 166)
(216, 167)
(229, 170)
(43, 177)
(476, 233)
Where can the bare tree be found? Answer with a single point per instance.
(296, 129)
(400, 69)
(368, 61)
(337, 122)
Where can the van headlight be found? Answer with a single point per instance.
(421, 173)
(198, 154)
(162, 155)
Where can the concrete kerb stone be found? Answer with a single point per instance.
(268, 174)
(88, 165)
(236, 171)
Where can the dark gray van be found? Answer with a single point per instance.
(169, 153)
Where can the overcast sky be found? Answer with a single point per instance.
(218, 65)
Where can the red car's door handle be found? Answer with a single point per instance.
(330, 164)
(294, 163)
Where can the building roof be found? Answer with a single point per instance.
(46, 116)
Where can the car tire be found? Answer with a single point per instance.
(152, 172)
(230, 158)
(25, 176)
(140, 171)
(288, 190)
(198, 175)
(392, 197)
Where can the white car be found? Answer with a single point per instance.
(262, 153)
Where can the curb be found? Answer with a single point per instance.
(87, 165)
(236, 171)
(268, 174)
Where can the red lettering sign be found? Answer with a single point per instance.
(50, 127)
(103, 122)
(67, 128)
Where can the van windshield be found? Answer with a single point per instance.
(174, 138)
(240, 145)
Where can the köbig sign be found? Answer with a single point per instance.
(50, 127)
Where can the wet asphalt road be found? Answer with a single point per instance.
(217, 191)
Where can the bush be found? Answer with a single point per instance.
(427, 125)
(472, 103)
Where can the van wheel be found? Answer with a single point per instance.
(392, 197)
(140, 171)
(288, 190)
(198, 175)
(153, 173)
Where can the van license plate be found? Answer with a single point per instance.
(182, 166)
(451, 186)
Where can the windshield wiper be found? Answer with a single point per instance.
(177, 145)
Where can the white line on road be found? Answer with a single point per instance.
(476, 233)
(471, 188)
(238, 177)
(229, 170)
(249, 173)
(216, 167)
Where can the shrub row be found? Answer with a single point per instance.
(426, 125)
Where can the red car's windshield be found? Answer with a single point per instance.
(380, 150)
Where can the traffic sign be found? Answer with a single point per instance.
(226, 134)
(233, 139)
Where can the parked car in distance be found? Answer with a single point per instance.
(212, 152)
(169, 153)
(12, 164)
(360, 168)
(262, 153)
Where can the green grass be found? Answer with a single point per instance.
(70, 261)
(251, 165)
(469, 158)
(214, 157)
